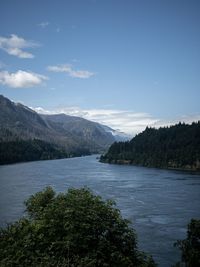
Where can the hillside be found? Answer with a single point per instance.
(176, 147)
(30, 150)
(91, 133)
(67, 134)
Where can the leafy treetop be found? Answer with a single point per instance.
(73, 229)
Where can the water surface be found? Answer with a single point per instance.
(159, 203)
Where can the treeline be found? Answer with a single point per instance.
(176, 146)
(30, 150)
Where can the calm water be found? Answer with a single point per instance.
(159, 203)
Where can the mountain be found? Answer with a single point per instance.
(86, 130)
(68, 134)
(93, 134)
(20, 122)
(176, 147)
(118, 135)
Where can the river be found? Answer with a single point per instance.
(159, 203)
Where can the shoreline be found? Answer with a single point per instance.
(129, 163)
(20, 162)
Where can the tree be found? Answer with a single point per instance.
(73, 229)
(177, 146)
(190, 247)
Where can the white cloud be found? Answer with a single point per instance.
(43, 24)
(67, 68)
(21, 79)
(15, 46)
(60, 68)
(123, 120)
(184, 118)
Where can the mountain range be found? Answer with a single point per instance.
(71, 134)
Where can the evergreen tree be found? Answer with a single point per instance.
(190, 247)
(177, 146)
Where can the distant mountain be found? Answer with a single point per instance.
(91, 132)
(73, 135)
(118, 135)
(176, 147)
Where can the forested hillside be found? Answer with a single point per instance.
(177, 146)
(30, 150)
(26, 135)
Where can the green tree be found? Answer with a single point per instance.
(190, 247)
(177, 146)
(75, 228)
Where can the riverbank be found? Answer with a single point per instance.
(188, 168)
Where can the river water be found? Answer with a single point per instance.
(159, 203)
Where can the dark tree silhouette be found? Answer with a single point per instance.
(177, 146)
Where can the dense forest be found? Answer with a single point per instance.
(29, 150)
(175, 147)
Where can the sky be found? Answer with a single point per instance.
(125, 63)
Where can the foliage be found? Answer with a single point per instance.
(190, 247)
(30, 150)
(177, 146)
(75, 228)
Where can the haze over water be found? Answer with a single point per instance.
(159, 203)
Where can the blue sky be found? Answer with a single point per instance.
(124, 63)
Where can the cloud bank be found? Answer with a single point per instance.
(21, 79)
(67, 68)
(125, 121)
(15, 46)
(129, 122)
